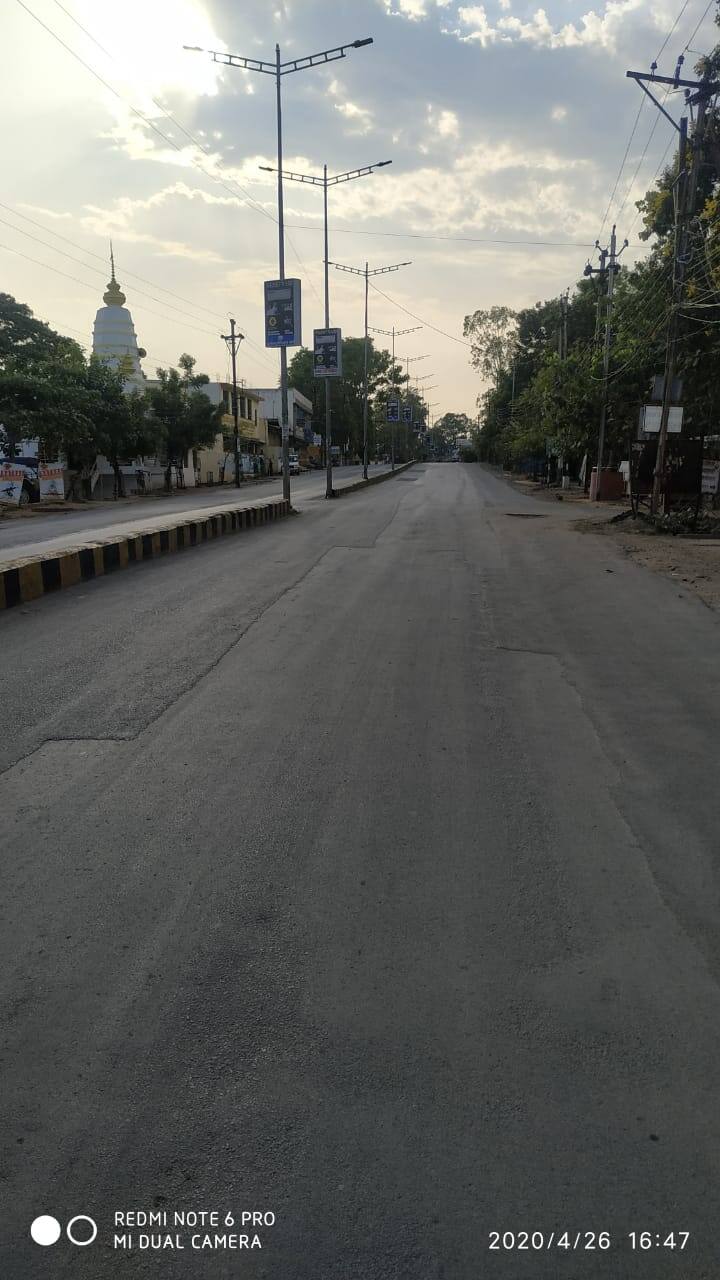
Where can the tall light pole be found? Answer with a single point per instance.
(233, 340)
(394, 333)
(279, 69)
(366, 272)
(408, 361)
(325, 182)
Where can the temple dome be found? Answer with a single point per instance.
(114, 338)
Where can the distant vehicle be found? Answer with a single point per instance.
(294, 467)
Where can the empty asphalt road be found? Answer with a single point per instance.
(363, 870)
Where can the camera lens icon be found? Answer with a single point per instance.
(80, 1230)
(45, 1230)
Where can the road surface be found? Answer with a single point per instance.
(363, 871)
(34, 528)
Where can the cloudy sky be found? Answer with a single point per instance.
(504, 122)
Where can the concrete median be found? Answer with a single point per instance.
(30, 576)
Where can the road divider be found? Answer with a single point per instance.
(29, 577)
(363, 484)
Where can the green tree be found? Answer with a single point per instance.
(184, 417)
(347, 391)
(42, 392)
(493, 338)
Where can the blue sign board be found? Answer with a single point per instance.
(282, 313)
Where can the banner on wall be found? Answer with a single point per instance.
(52, 480)
(11, 483)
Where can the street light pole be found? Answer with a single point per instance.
(395, 333)
(365, 382)
(325, 182)
(366, 272)
(279, 69)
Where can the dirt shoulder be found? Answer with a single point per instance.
(692, 563)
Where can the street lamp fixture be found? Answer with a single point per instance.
(278, 69)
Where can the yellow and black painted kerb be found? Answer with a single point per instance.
(29, 581)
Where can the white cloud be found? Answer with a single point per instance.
(475, 17)
(598, 30)
(359, 116)
(558, 113)
(412, 9)
(445, 123)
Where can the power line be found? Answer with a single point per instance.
(664, 44)
(49, 231)
(427, 323)
(417, 235)
(248, 200)
(705, 14)
(91, 253)
(86, 284)
(622, 164)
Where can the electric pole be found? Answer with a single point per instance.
(609, 265)
(697, 93)
(233, 340)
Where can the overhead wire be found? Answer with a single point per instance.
(87, 285)
(246, 199)
(426, 323)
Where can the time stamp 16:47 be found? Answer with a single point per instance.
(585, 1241)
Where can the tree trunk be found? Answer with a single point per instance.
(119, 491)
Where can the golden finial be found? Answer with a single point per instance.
(113, 296)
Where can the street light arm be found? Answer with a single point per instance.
(320, 182)
(357, 173)
(235, 60)
(289, 176)
(379, 271)
(355, 270)
(319, 59)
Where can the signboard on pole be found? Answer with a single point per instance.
(11, 483)
(327, 353)
(52, 480)
(710, 476)
(282, 313)
(393, 410)
(407, 413)
(652, 415)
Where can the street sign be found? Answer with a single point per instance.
(282, 313)
(327, 353)
(407, 413)
(393, 410)
(652, 416)
(710, 476)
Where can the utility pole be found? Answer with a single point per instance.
(609, 266)
(366, 273)
(394, 333)
(325, 182)
(279, 69)
(697, 93)
(233, 340)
